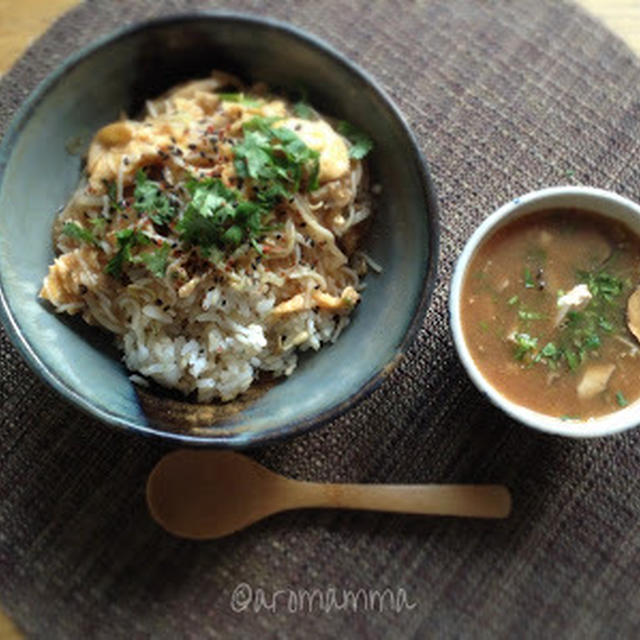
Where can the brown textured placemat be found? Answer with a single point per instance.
(504, 97)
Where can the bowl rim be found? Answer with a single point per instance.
(522, 206)
(290, 428)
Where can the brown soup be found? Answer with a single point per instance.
(545, 313)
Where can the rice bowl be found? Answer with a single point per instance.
(90, 90)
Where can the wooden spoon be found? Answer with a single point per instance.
(210, 494)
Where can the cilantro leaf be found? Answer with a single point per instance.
(156, 261)
(112, 192)
(524, 344)
(275, 156)
(127, 239)
(253, 157)
(77, 232)
(304, 111)
(150, 199)
(621, 400)
(240, 98)
(361, 143)
(528, 279)
(218, 216)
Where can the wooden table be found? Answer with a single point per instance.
(22, 22)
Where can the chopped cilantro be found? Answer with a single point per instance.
(549, 350)
(605, 325)
(150, 199)
(240, 98)
(528, 279)
(218, 216)
(303, 110)
(360, 142)
(77, 232)
(156, 261)
(572, 359)
(523, 314)
(127, 239)
(602, 284)
(621, 400)
(99, 224)
(112, 192)
(524, 344)
(275, 156)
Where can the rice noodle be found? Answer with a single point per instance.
(210, 321)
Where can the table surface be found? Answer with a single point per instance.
(21, 23)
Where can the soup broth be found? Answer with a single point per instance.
(545, 313)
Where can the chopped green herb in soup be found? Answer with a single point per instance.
(551, 313)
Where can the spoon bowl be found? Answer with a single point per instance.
(211, 494)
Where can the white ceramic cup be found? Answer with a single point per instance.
(598, 201)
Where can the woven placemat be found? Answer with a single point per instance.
(504, 97)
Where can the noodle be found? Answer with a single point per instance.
(214, 237)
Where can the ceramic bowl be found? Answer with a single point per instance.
(604, 203)
(39, 170)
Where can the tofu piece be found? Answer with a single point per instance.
(595, 380)
(575, 300)
(633, 313)
(319, 136)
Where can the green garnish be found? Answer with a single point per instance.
(549, 350)
(303, 110)
(99, 224)
(602, 284)
(218, 216)
(512, 300)
(240, 98)
(77, 232)
(361, 143)
(530, 315)
(127, 239)
(528, 279)
(150, 199)
(524, 344)
(573, 361)
(581, 332)
(275, 156)
(112, 192)
(155, 261)
(621, 400)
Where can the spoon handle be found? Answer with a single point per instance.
(473, 501)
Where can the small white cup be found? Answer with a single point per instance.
(598, 201)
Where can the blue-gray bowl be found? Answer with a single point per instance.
(38, 174)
